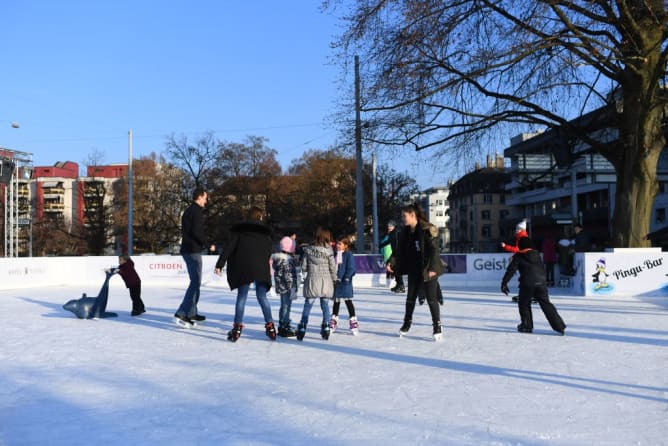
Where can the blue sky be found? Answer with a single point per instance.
(77, 75)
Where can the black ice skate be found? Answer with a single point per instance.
(286, 332)
(234, 334)
(301, 332)
(270, 330)
(438, 334)
(324, 331)
(523, 329)
(404, 328)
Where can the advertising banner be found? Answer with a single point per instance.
(631, 274)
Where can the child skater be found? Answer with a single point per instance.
(532, 285)
(320, 268)
(343, 289)
(286, 282)
(126, 269)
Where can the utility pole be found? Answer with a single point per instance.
(359, 191)
(374, 203)
(130, 204)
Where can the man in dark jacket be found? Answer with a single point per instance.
(581, 241)
(247, 257)
(532, 285)
(192, 244)
(417, 256)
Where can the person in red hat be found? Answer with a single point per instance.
(520, 231)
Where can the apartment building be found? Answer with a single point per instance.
(435, 203)
(479, 213)
(555, 184)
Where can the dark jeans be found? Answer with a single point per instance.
(539, 293)
(188, 306)
(135, 295)
(261, 289)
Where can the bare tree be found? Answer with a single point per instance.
(448, 74)
(252, 158)
(196, 158)
(157, 204)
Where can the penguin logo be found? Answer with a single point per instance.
(600, 277)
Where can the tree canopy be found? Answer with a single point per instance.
(458, 75)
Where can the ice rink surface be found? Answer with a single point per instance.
(144, 381)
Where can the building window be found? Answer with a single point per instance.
(439, 213)
(488, 198)
(486, 231)
(503, 214)
(486, 215)
(502, 198)
(661, 215)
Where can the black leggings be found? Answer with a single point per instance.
(349, 305)
(430, 288)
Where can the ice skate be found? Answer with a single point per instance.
(333, 323)
(301, 332)
(234, 334)
(354, 326)
(270, 330)
(324, 331)
(404, 328)
(438, 333)
(286, 332)
(183, 321)
(523, 329)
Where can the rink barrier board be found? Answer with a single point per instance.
(606, 273)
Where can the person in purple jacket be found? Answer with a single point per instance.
(126, 269)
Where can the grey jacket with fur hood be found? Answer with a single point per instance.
(319, 266)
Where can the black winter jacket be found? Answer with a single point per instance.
(426, 236)
(247, 254)
(193, 239)
(530, 266)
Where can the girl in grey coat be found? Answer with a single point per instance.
(319, 266)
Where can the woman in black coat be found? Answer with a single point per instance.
(532, 286)
(247, 257)
(417, 256)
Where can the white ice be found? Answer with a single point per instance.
(143, 381)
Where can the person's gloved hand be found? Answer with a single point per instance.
(504, 289)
